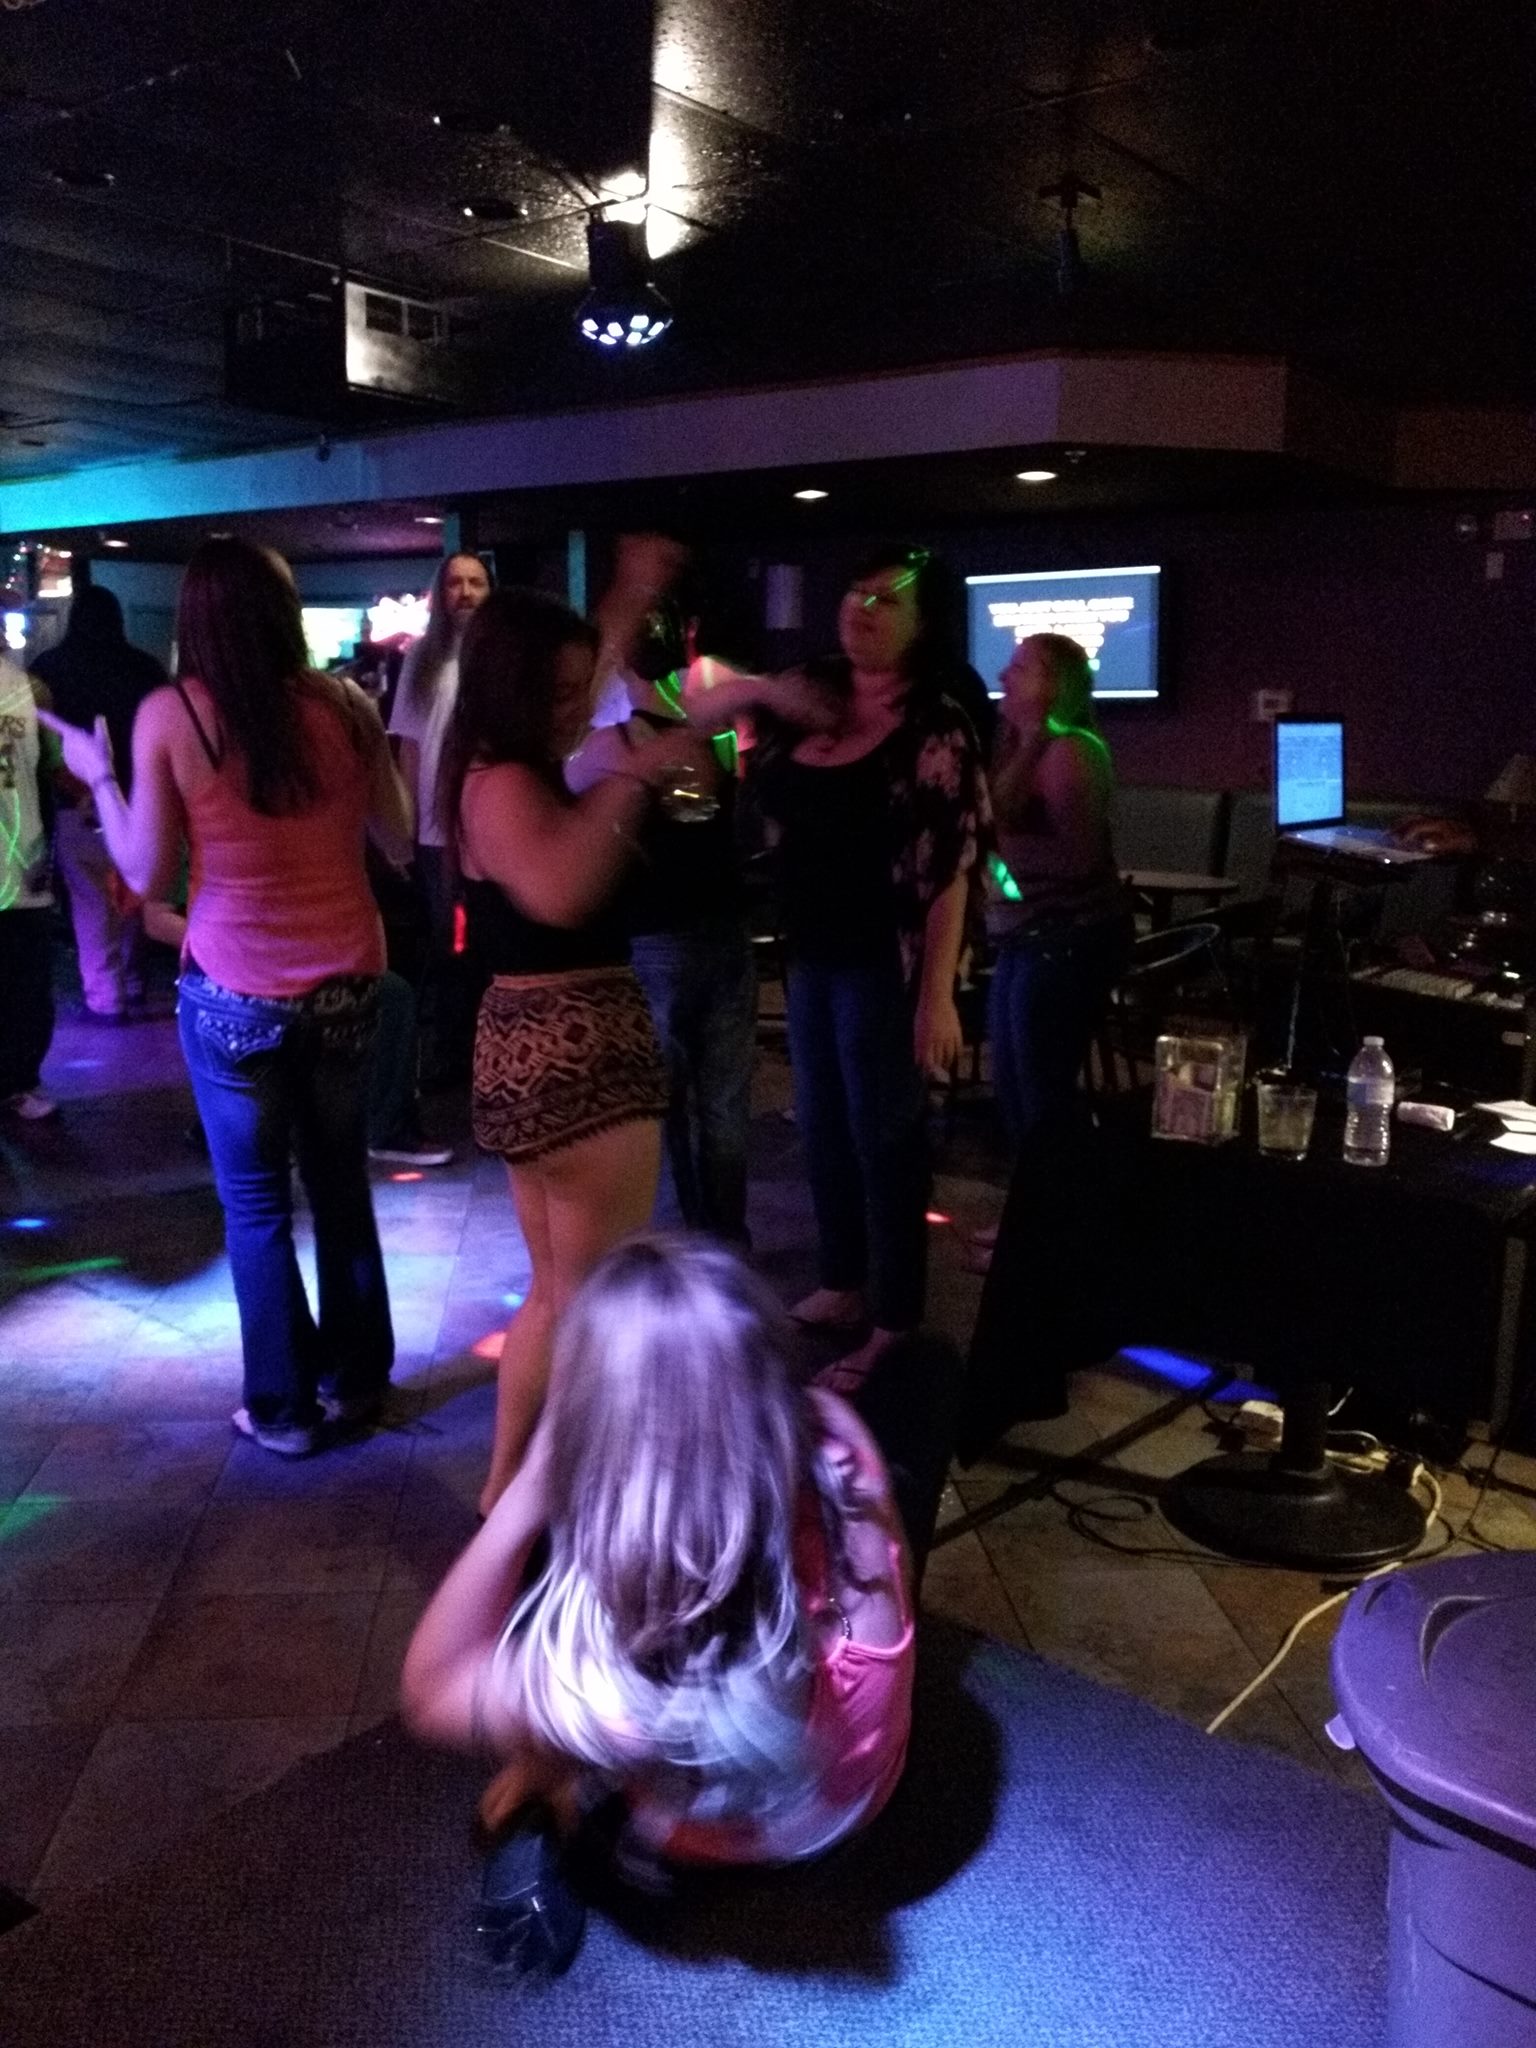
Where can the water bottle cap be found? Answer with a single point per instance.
(1371, 1041)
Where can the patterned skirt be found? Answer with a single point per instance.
(559, 1056)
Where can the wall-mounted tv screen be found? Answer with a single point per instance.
(332, 631)
(1111, 613)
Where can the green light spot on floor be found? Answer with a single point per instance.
(33, 1507)
(31, 1275)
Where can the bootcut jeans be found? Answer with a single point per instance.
(279, 1078)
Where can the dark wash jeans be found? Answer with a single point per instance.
(1050, 991)
(26, 997)
(862, 1106)
(701, 985)
(277, 1079)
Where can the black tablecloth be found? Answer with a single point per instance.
(1389, 1280)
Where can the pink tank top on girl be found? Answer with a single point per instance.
(278, 905)
(859, 1724)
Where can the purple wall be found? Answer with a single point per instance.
(1382, 615)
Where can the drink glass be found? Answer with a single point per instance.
(1287, 1108)
(688, 798)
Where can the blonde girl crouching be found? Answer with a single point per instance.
(722, 1632)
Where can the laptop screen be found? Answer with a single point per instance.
(1309, 772)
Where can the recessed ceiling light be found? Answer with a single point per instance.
(429, 519)
(83, 177)
(485, 207)
(1036, 476)
(108, 543)
(810, 497)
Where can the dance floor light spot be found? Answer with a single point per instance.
(488, 1346)
(67, 1270)
(29, 1223)
(938, 1216)
(1190, 1372)
(28, 1510)
(405, 1176)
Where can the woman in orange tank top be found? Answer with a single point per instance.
(271, 776)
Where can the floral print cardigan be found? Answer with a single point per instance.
(941, 819)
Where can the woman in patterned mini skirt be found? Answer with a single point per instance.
(568, 1084)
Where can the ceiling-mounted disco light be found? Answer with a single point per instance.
(623, 309)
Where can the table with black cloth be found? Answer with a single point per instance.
(1404, 1282)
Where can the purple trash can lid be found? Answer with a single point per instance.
(1434, 1669)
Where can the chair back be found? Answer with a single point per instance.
(1163, 964)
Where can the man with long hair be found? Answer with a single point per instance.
(424, 701)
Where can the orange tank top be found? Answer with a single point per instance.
(278, 905)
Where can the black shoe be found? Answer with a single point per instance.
(529, 1922)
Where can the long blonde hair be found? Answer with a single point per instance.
(1067, 664)
(667, 1631)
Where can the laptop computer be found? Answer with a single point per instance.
(1310, 795)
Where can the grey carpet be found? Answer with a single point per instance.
(1063, 1867)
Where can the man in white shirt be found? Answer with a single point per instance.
(429, 683)
(26, 898)
(424, 700)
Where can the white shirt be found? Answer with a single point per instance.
(24, 866)
(427, 725)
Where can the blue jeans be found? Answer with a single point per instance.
(274, 1079)
(701, 985)
(1050, 990)
(861, 1106)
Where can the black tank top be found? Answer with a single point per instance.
(501, 939)
(833, 859)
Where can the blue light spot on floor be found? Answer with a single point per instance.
(29, 1223)
(1191, 1372)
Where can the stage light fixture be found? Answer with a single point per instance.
(623, 309)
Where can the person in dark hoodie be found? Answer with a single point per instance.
(95, 672)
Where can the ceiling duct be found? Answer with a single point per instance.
(340, 350)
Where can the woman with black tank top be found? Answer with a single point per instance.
(869, 772)
(568, 1083)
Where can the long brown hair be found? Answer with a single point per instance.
(426, 658)
(508, 688)
(240, 634)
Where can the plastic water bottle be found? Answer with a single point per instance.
(1369, 1088)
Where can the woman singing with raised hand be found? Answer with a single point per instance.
(272, 774)
(1060, 918)
(869, 772)
(569, 1088)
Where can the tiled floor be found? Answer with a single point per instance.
(184, 1618)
